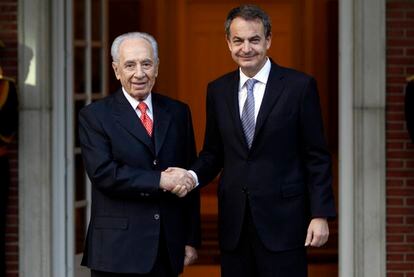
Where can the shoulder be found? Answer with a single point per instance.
(101, 106)
(224, 80)
(291, 74)
(294, 80)
(168, 102)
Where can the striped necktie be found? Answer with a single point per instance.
(247, 118)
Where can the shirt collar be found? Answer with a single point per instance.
(262, 76)
(134, 102)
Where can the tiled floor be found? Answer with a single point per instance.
(326, 270)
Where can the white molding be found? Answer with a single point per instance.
(346, 143)
(361, 133)
(362, 213)
(59, 167)
(34, 139)
(69, 145)
(369, 126)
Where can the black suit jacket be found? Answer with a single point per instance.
(129, 211)
(286, 175)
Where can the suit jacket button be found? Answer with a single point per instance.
(156, 216)
(155, 162)
(142, 194)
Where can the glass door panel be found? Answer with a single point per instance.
(89, 75)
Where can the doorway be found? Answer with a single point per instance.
(193, 51)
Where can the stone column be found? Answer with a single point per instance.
(362, 138)
(35, 139)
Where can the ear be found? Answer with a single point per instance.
(116, 69)
(156, 68)
(268, 41)
(228, 42)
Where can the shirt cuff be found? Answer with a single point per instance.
(194, 176)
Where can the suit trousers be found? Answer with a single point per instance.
(252, 259)
(162, 265)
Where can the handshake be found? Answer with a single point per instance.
(177, 180)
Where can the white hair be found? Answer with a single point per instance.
(133, 35)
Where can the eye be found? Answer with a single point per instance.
(237, 41)
(129, 66)
(255, 40)
(146, 65)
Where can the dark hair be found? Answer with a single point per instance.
(249, 12)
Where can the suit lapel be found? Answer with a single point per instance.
(232, 99)
(128, 119)
(162, 119)
(274, 89)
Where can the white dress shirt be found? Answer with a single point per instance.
(134, 103)
(259, 88)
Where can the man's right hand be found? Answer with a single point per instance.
(177, 180)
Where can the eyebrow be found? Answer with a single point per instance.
(250, 38)
(129, 61)
(147, 60)
(134, 61)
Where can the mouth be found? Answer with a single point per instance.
(246, 57)
(139, 85)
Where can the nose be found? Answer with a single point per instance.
(139, 73)
(246, 46)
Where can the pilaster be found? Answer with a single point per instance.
(34, 138)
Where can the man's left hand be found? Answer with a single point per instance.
(318, 232)
(190, 255)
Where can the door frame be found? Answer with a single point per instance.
(43, 161)
(362, 180)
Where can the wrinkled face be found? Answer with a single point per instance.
(248, 45)
(137, 68)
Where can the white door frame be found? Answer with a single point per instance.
(35, 138)
(61, 161)
(362, 182)
(43, 159)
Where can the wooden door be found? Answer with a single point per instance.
(193, 52)
(204, 55)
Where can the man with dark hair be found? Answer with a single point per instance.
(264, 131)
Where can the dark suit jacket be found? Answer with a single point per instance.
(286, 175)
(129, 211)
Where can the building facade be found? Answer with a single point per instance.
(375, 154)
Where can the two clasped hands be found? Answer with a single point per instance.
(177, 181)
(180, 182)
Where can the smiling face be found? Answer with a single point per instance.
(248, 45)
(136, 68)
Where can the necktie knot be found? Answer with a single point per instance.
(250, 84)
(142, 107)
